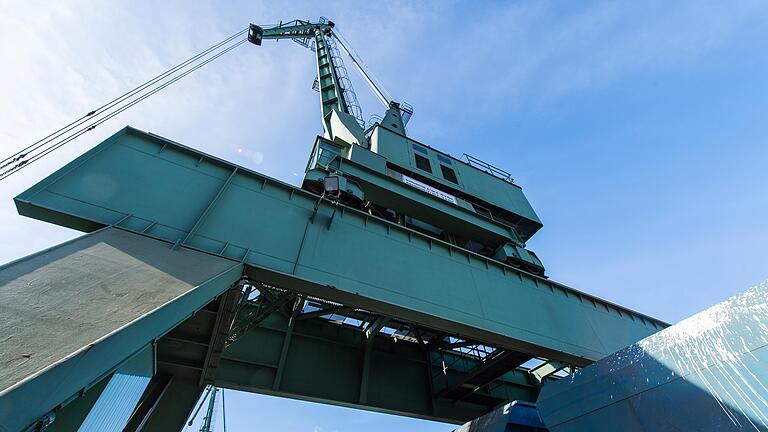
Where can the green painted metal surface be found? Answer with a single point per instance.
(390, 191)
(174, 407)
(386, 187)
(73, 414)
(145, 183)
(336, 94)
(331, 94)
(400, 150)
(207, 425)
(325, 362)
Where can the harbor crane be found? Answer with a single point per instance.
(394, 278)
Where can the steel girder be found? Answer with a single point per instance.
(304, 247)
(148, 184)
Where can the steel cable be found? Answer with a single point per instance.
(119, 99)
(23, 162)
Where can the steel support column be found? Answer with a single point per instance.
(174, 406)
(370, 336)
(224, 320)
(149, 400)
(287, 341)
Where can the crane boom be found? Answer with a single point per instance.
(340, 111)
(336, 93)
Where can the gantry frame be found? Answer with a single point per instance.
(437, 298)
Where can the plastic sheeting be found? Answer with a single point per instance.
(707, 373)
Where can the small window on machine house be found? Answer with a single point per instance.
(449, 174)
(422, 163)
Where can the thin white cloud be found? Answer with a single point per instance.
(526, 55)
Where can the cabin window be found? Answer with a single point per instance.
(449, 174)
(422, 163)
(444, 159)
(420, 149)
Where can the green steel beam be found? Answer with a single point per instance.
(370, 333)
(209, 412)
(390, 191)
(174, 406)
(225, 316)
(293, 30)
(153, 185)
(322, 312)
(324, 364)
(331, 92)
(331, 95)
(154, 391)
(540, 372)
(72, 415)
(287, 342)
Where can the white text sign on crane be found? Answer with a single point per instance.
(429, 189)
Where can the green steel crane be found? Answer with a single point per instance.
(396, 278)
(210, 411)
(340, 110)
(207, 425)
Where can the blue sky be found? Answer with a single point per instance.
(637, 129)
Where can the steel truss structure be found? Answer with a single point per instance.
(455, 369)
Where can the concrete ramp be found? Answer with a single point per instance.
(72, 314)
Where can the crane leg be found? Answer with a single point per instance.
(173, 406)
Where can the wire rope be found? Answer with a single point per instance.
(20, 157)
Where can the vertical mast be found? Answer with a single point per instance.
(331, 94)
(336, 93)
(207, 425)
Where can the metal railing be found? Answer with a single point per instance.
(345, 84)
(490, 169)
(406, 111)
